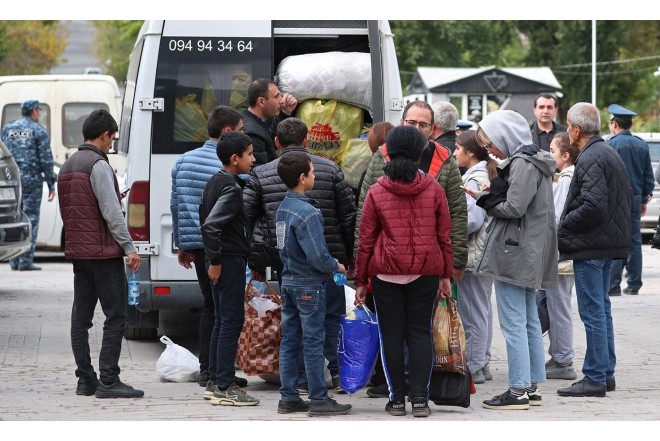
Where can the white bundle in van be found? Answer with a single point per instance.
(341, 76)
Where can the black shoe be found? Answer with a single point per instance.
(614, 292)
(117, 390)
(337, 387)
(380, 391)
(396, 407)
(582, 388)
(292, 406)
(240, 382)
(508, 401)
(30, 268)
(632, 292)
(329, 407)
(86, 388)
(203, 378)
(611, 385)
(420, 407)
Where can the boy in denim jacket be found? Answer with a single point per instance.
(307, 267)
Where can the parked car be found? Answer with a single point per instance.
(650, 220)
(15, 227)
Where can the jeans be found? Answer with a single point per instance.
(207, 313)
(519, 321)
(634, 262)
(560, 316)
(591, 285)
(228, 298)
(102, 280)
(303, 328)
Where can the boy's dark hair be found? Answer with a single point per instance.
(221, 117)
(97, 123)
(232, 143)
(258, 89)
(291, 165)
(404, 147)
(291, 132)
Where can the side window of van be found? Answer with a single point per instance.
(12, 112)
(194, 75)
(73, 116)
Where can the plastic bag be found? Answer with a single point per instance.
(358, 348)
(190, 121)
(448, 338)
(176, 363)
(355, 161)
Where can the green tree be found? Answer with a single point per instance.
(114, 42)
(30, 47)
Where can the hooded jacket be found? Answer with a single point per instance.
(521, 246)
(405, 230)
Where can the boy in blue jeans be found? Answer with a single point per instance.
(307, 267)
(227, 244)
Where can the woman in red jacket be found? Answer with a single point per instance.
(405, 248)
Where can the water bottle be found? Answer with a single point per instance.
(133, 289)
(339, 278)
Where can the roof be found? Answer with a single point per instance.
(433, 77)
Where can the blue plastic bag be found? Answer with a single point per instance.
(358, 348)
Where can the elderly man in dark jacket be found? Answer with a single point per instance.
(263, 196)
(594, 229)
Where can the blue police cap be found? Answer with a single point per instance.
(463, 125)
(620, 111)
(30, 105)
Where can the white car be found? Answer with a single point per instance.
(650, 220)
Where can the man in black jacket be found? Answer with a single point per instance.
(263, 196)
(545, 128)
(594, 229)
(267, 107)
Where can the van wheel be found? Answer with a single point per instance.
(141, 325)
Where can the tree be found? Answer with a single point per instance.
(30, 46)
(114, 43)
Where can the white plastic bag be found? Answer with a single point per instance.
(263, 305)
(176, 363)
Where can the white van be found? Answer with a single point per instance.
(65, 100)
(178, 71)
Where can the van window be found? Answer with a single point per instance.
(129, 96)
(12, 112)
(73, 116)
(194, 75)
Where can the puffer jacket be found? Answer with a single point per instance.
(478, 174)
(449, 178)
(190, 174)
(595, 223)
(405, 230)
(265, 192)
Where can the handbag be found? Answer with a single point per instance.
(258, 350)
(450, 388)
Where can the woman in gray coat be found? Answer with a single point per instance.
(520, 252)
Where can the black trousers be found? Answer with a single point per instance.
(405, 314)
(207, 313)
(104, 281)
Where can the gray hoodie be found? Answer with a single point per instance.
(521, 246)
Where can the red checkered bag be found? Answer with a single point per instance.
(259, 343)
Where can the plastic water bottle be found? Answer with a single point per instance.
(133, 289)
(339, 278)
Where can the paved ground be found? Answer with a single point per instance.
(36, 362)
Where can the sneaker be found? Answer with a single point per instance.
(614, 292)
(487, 375)
(117, 390)
(582, 388)
(396, 407)
(208, 392)
(232, 396)
(381, 391)
(534, 397)
(335, 384)
(626, 290)
(478, 377)
(420, 407)
(558, 371)
(611, 385)
(329, 407)
(508, 401)
(303, 389)
(203, 378)
(292, 406)
(240, 382)
(86, 388)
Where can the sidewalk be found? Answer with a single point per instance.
(37, 381)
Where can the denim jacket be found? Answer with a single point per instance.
(300, 242)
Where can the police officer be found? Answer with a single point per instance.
(463, 126)
(635, 154)
(30, 146)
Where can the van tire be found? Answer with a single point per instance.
(141, 325)
(133, 333)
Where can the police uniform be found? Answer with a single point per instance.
(635, 155)
(29, 144)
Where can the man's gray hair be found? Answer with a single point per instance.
(585, 116)
(445, 115)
